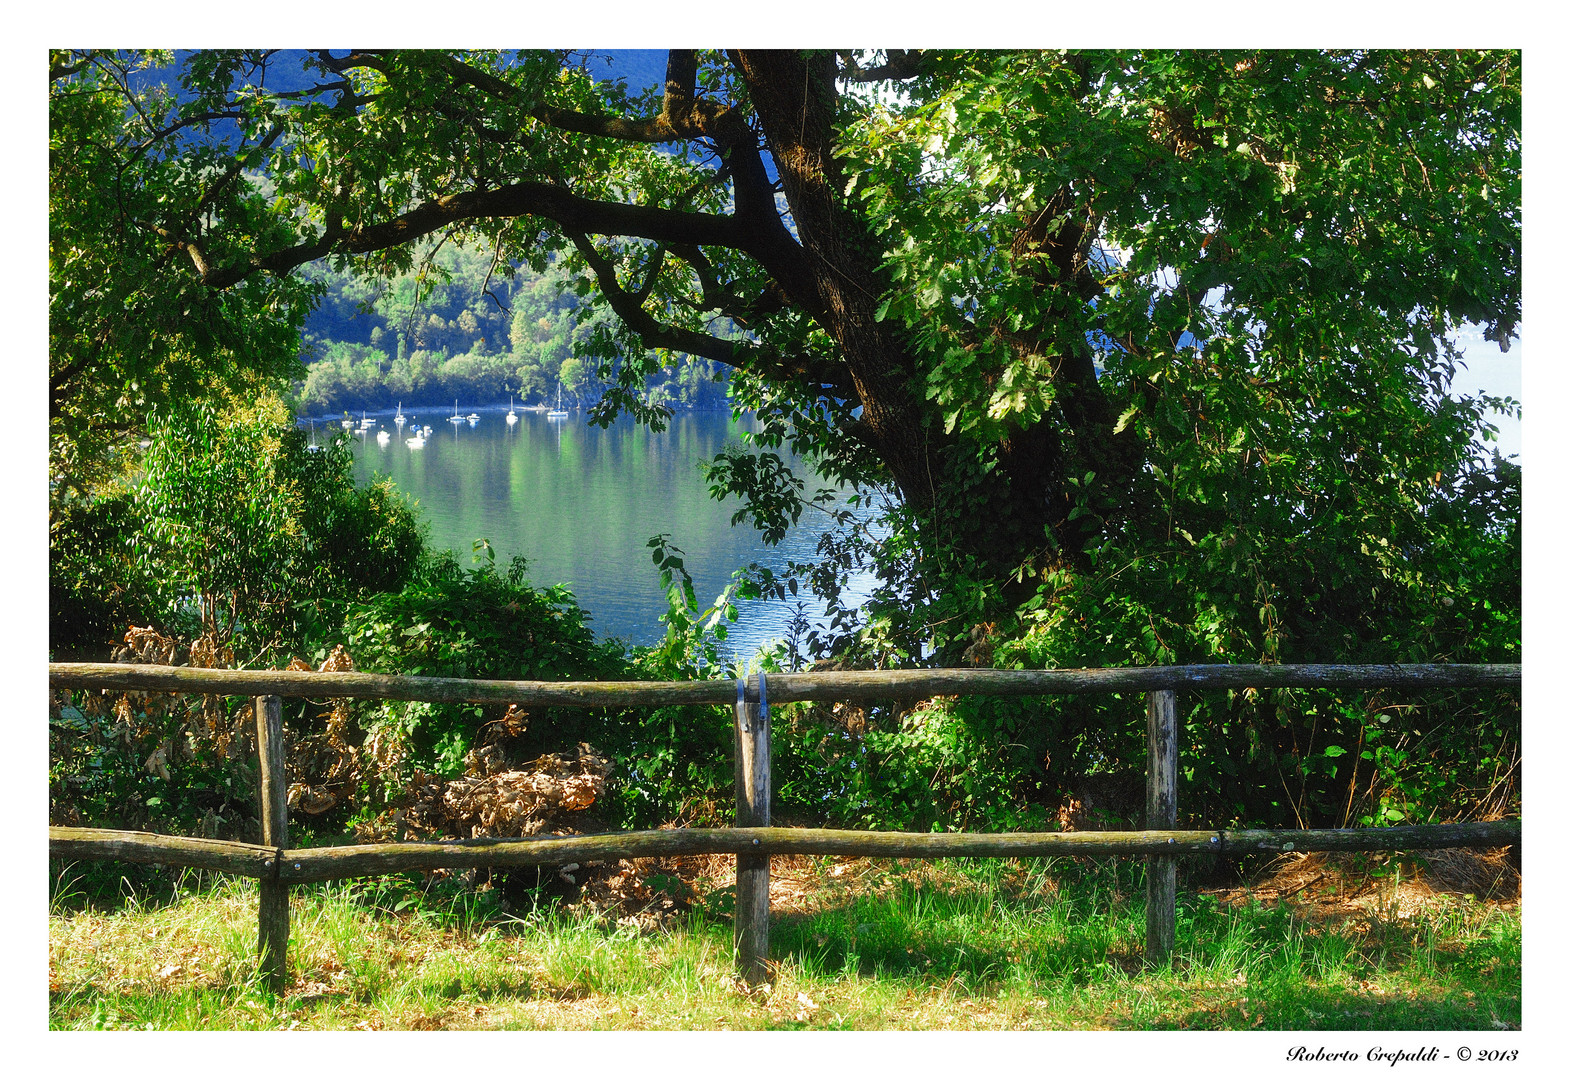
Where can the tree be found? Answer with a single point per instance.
(1063, 307)
(132, 169)
(573, 376)
(265, 535)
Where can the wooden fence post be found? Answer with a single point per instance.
(752, 810)
(1161, 813)
(273, 787)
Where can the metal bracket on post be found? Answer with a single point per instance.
(763, 710)
(752, 811)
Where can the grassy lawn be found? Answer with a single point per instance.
(857, 944)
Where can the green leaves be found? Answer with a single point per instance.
(130, 326)
(483, 622)
(1148, 350)
(692, 646)
(218, 505)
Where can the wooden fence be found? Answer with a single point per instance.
(753, 841)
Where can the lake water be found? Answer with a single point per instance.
(580, 503)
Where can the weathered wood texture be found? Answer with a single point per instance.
(319, 684)
(317, 864)
(752, 811)
(273, 782)
(120, 845)
(359, 860)
(809, 686)
(272, 939)
(1161, 813)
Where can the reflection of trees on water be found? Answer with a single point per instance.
(580, 504)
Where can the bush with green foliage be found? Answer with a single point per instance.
(482, 622)
(263, 533)
(237, 545)
(97, 588)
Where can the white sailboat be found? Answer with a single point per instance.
(382, 437)
(512, 417)
(398, 417)
(455, 418)
(557, 413)
(415, 441)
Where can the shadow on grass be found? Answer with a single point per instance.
(1303, 1007)
(964, 937)
(1257, 966)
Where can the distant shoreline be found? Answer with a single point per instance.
(410, 409)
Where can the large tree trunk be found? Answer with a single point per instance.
(1015, 509)
(794, 94)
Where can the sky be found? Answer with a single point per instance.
(1489, 371)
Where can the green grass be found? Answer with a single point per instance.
(985, 945)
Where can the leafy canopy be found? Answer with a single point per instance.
(1066, 312)
(133, 167)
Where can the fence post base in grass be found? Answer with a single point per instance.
(273, 788)
(1161, 813)
(752, 811)
(273, 932)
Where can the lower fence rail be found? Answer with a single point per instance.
(295, 866)
(278, 868)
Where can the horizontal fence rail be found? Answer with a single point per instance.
(277, 865)
(804, 686)
(300, 865)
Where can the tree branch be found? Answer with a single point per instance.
(552, 201)
(651, 275)
(682, 114)
(717, 297)
(755, 226)
(657, 335)
(898, 64)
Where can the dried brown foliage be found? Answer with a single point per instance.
(1339, 883)
(326, 767)
(328, 764)
(145, 645)
(495, 798)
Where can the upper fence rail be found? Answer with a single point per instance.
(784, 686)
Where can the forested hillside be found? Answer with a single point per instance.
(457, 326)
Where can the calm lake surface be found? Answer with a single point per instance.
(580, 503)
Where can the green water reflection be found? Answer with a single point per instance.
(579, 503)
